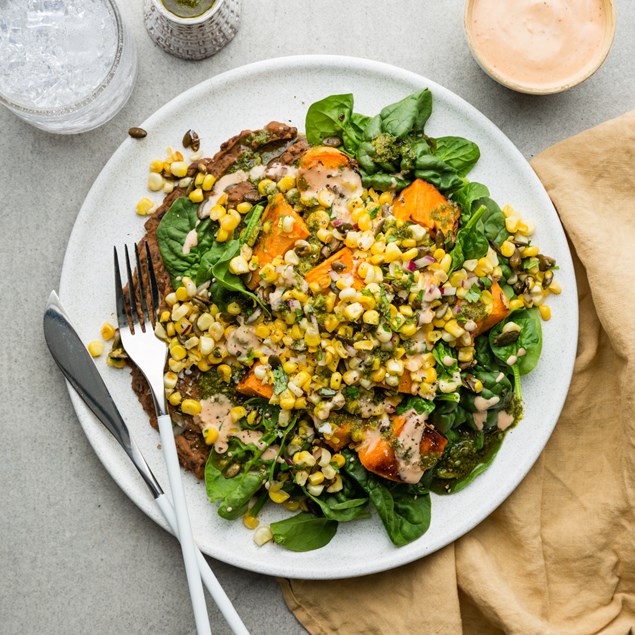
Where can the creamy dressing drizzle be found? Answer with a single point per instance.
(539, 43)
(219, 189)
(504, 420)
(241, 341)
(191, 240)
(344, 183)
(215, 414)
(481, 404)
(408, 450)
(479, 419)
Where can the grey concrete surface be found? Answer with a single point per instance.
(76, 556)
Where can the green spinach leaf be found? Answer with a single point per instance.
(303, 532)
(333, 117)
(405, 510)
(529, 339)
(418, 404)
(338, 507)
(180, 219)
(458, 153)
(408, 115)
(471, 243)
(492, 221)
(466, 197)
(233, 493)
(436, 171)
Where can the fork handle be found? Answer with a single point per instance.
(188, 549)
(209, 579)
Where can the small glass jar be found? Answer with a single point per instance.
(193, 38)
(93, 98)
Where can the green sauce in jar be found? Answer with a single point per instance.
(188, 8)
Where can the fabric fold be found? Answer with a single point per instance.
(558, 556)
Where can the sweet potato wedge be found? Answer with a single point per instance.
(422, 203)
(341, 435)
(274, 240)
(330, 158)
(321, 273)
(405, 384)
(251, 386)
(500, 310)
(377, 455)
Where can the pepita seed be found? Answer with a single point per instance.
(137, 133)
(191, 140)
(332, 142)
(506, 338)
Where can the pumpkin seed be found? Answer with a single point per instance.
(191, 140)
(545, 262)
(548, 279)
(137, 133)
(332, 142)
(515, 261)
(506, 338)
(338, 267)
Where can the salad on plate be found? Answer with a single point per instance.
(348, 318)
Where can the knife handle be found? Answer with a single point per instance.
(207, 575)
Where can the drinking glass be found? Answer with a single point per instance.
(68, 66)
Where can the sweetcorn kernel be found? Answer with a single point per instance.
(96, 348)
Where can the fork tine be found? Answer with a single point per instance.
(142, 289)
(134, 314)
(154, 289)
(122, 318)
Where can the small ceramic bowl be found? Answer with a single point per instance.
(192, 38)
(557, 83)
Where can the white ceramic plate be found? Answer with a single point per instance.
(249, 97)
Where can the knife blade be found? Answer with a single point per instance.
(77, 365)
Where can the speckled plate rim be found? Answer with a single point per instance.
(218, 108)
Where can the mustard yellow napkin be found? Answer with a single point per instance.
(558, 557)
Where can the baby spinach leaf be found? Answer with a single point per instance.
(492, 220)
(418, 404)
(303, 532)
(471, 243)
(359, 123)
(447, 415)
(333, 117)
(443, 353)
(405, 511)
(234, 493)
(338, 507)
(436, 171)
(180, 219)
(458, 153)
(215, 264)
(529, 339)
(383, 182)
(465, 196)
(408, 115)
(494, 386)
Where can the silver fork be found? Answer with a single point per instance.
(149, 353)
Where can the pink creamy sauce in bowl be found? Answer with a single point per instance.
(540, 46)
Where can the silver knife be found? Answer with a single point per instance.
(78, 367)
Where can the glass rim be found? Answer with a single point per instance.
(77, 105)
